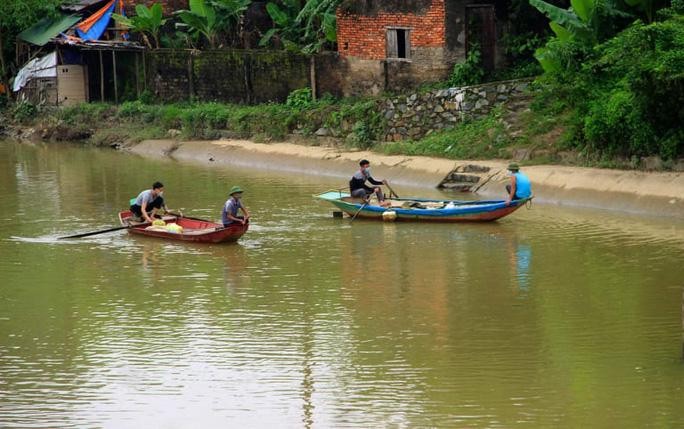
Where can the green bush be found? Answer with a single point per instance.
(469, 72)
(87, 113)
(627, 94)
(300, 99)
(132, 109)
(23, 112)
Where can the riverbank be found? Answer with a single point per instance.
(649, 193)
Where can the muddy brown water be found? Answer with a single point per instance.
(552, 317)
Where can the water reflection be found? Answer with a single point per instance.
(520, 255)
(236, 275)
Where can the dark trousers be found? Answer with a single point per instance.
(156, 204)
(232, 222)
(364, 193)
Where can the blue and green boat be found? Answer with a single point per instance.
(422, 210)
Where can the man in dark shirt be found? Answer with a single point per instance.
(358, 187)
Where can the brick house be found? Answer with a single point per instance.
(395, 44)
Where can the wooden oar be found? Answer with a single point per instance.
(181, 215)
(359, 210)
(102, 231)
(391, 190)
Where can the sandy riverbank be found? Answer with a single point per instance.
(653, 193)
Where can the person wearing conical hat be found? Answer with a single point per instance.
(520, 186)
(229, 214)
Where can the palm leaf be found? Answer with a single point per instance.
(566, 18)
(584, 9)
(279, 17)
(561, 32)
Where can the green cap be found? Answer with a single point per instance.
(513, 167)
(235, 190)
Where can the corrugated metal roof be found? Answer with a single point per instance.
(41, 32)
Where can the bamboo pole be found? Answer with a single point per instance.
(116, 86)
(101, 77)
(191, 86)
(144, 61)
(137, 75)
(312, 72)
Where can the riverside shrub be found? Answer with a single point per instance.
(627, 94)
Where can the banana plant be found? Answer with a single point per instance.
(576, 22)
(147, 21)
(229, 14)
(303, 27)
(585, 23)
(201, 19)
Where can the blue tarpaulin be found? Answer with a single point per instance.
(93, 27)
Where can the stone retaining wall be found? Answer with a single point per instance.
(417, 115)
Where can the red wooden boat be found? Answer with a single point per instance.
(195, 230)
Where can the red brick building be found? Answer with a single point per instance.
(394, 44)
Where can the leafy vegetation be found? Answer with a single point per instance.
(469, 72)
(303, 27)
(300, 98)
(200, 20)
(16, 16)
(622, 82)
(359, 121)
(147, 21)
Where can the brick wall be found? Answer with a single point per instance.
(169, 6)
(364, 36)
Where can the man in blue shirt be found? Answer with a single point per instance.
(520, 186)
(229, 214)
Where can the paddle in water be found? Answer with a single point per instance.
(391, 190)
(359, 210)
(102, 231)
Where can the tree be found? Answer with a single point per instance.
(148, 22)
(16, 16)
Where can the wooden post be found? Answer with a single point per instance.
(312, 72)
(144, 61)
(191, 87)
(116, 87)
(137, 75)
(101, 77)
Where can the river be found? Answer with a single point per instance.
(551, 317)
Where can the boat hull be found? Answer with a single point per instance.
(460, 211)
(194, 230)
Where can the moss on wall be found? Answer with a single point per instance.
(230, 75)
